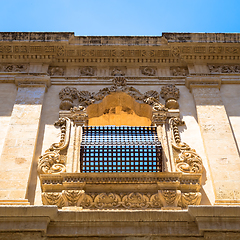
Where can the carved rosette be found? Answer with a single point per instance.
(134, 200)
(186, 158)
(52, 161)
(67, 95)
(170, 94)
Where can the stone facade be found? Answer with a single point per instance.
(184, 85)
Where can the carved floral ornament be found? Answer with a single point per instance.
(186, 160)
(224, 68)
(134, 200)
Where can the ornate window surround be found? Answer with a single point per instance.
(175, 188)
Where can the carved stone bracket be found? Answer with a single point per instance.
(170, 199)
(186, 158)
(53, 161)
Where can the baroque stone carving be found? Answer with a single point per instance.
(224, 68)
(87, 71)
(169, 198)
(56, 71)
(190, 198)
(52, 161)
(179, 71)
(87, 98)
(118, 71)
(67, 95)
(134, 200)
(187, 160)
(15, 68)
(79, 115)
(148, 71)
(170, 94)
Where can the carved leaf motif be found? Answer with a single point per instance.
(71, 197)
(155, 201)
(86, 201)
(110, 200)
(169, 196)
(191, 198)
(119, 81)
(169, 92)
(52, 198)
(189, 162)
(152, 94)
(135, 200)
(50, 163)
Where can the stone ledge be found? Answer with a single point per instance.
(196, 221)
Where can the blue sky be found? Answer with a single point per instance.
(120, 17)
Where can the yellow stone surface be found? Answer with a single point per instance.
(205, 69)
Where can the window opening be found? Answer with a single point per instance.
(120, 149)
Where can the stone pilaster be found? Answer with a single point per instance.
(20, 142)
(218, 138)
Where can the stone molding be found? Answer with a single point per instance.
(32, 81)
(169, 190)
(47, 222)
(203, 82)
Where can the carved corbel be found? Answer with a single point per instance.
(67, 95)
(52, 161)
(169, 198)
(186, 158)
(170, 94)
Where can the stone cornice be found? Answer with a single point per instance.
(203, 82)
(120, 40)
(72, 221)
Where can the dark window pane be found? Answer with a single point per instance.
(120, 149)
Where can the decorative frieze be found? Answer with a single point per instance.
(170, 199)
(9, 68)
(179, 71)
(224, 68)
